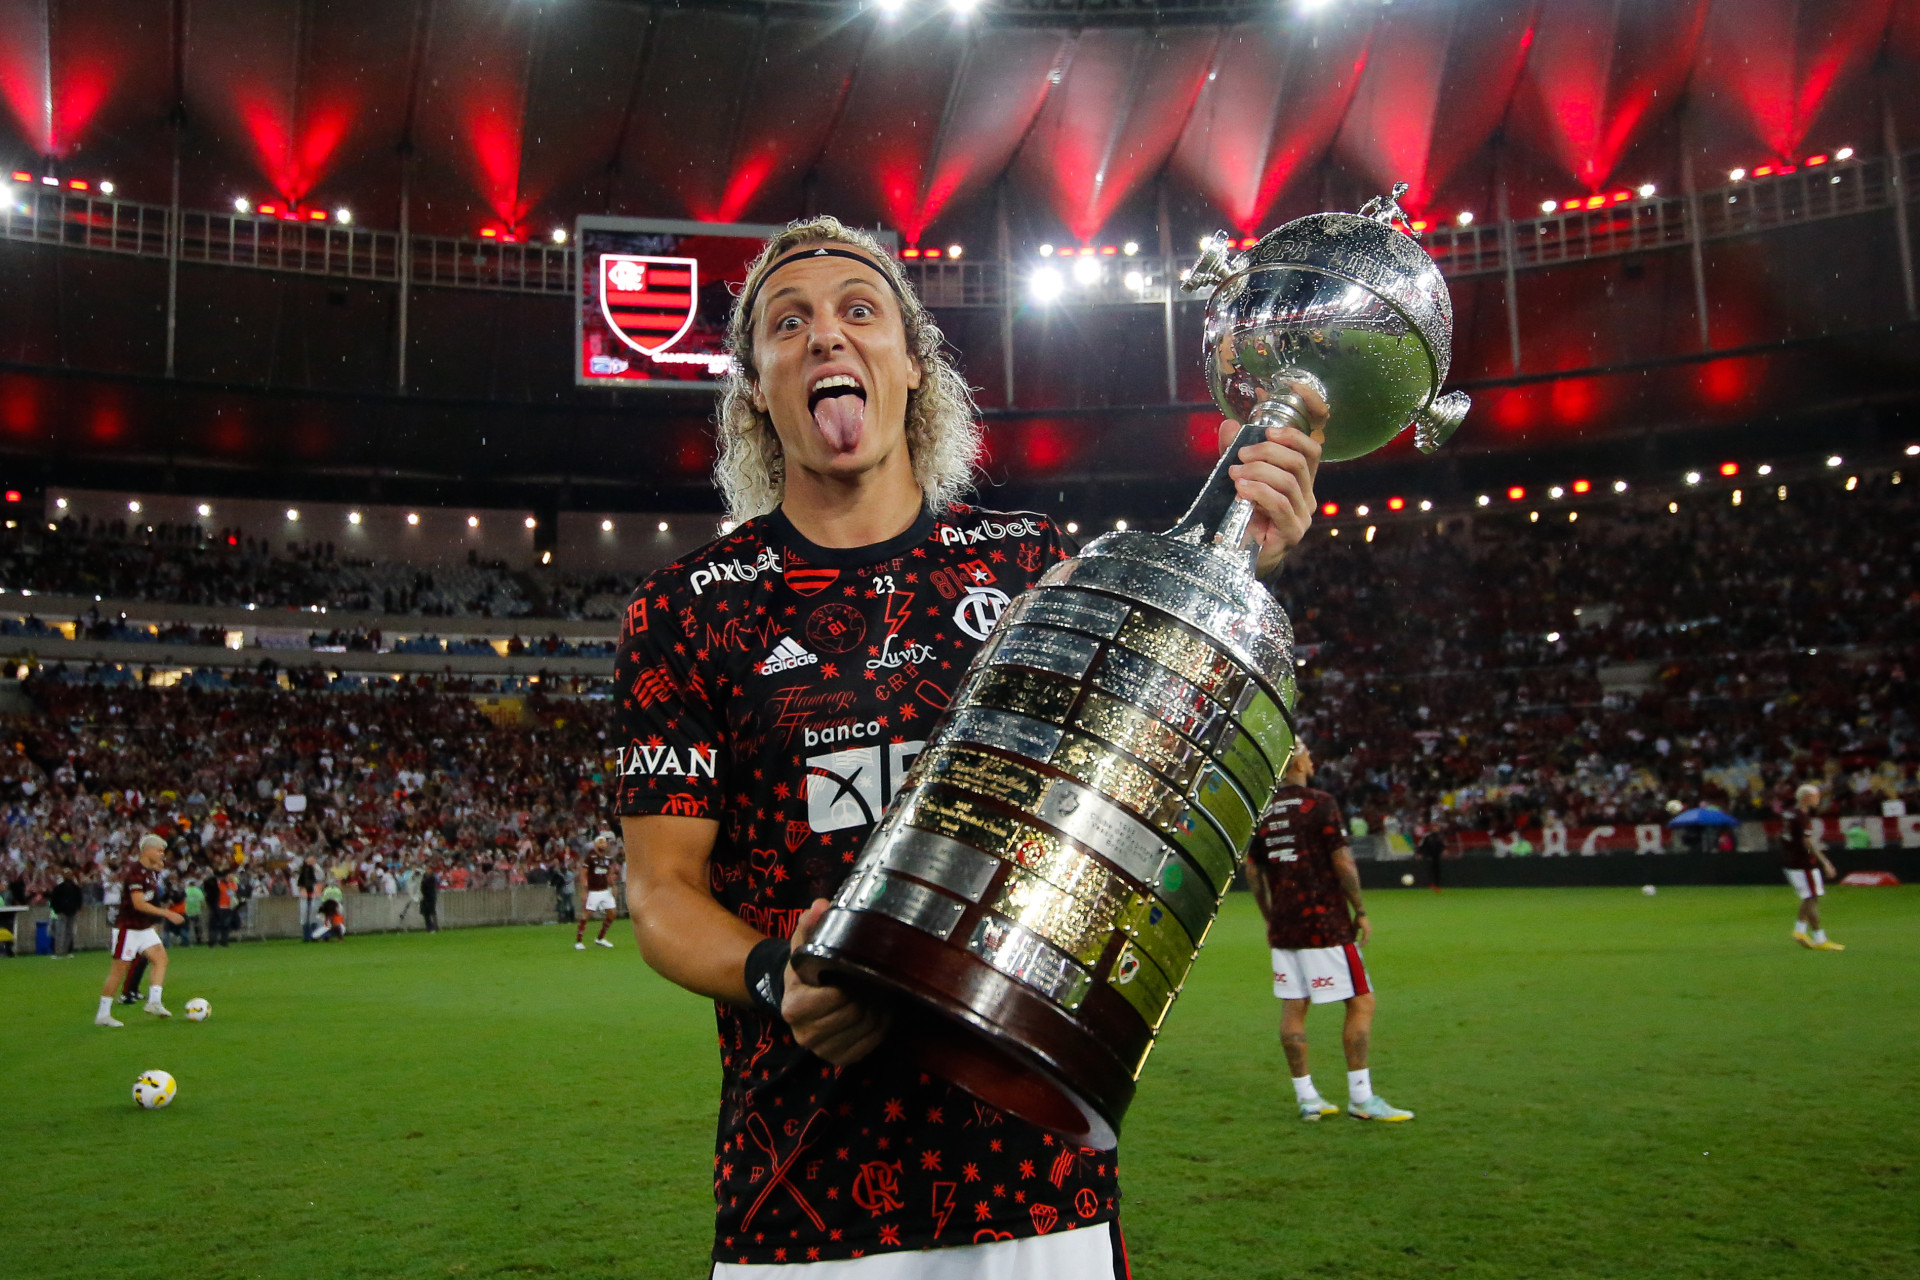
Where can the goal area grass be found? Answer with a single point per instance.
(1606, 1084)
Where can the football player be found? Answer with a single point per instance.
(843, 606)
(134, 931)
(598, 865)
(1302, 874)
(1802, 860)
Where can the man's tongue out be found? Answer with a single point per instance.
(841, 419)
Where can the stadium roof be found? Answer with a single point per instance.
(520, 114)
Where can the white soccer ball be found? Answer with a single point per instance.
(153, 1090)
(198, 1009)
(1648, 889)
(1407, 879)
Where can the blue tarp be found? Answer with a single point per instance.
(1705, 816)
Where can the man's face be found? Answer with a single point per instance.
(834, 369)
(152, 856)
(1808, 801)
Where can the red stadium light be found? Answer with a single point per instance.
(1396, 504)
(13, 495)
(21, 175)
(78, 184)
(1419, 224)
(1814, 162)
(267, 210)
(1620, 196)
(1764, 171)
(317, 215)
(1594, 202)
(1516, 493)
(488, 233)
(1329, 508)
(932, 253)
(909, 253)
(1582, 486)
(1729, 468)
(1786, 168)
(1107, 250)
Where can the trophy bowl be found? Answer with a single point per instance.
(1036, 893)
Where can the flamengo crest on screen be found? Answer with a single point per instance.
(648, 302)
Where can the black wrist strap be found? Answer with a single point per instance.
(766, 974)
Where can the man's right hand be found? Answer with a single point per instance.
(828, 1021)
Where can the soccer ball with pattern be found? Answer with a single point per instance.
(153, 1090)
(198, 1009)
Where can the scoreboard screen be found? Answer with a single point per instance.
(654, 299)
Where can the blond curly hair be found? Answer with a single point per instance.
(943, 433)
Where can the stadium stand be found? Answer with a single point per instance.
(1488, 670)
(1526, 668)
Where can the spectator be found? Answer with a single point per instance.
(196, 909)
(430, 899)
(309, 884)
(66, 901)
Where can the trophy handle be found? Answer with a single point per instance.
(1218, 518)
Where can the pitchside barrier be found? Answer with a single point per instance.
(1897, 832)
(365, 912)
(1606, 869)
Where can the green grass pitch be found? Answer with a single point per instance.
(1607, 1085)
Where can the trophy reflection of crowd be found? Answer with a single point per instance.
(1472, 679)
(386, 791)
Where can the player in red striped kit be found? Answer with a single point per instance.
(598, 866)
(1303, 877)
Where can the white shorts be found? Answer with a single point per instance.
(1321, 974)
(600, 900)
(1083, 1254)
(1807, 884)
(129, 943)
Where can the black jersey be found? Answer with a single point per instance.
(784, 689)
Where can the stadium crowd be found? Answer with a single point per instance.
(370, 785)
(189, 564)
(1598, 669)
(1482, 673)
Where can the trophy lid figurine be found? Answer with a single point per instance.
(1052, 864)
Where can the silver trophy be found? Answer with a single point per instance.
(1043, 881)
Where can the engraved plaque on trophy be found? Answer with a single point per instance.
(1051, 866)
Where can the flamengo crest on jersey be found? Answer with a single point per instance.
(786, 656)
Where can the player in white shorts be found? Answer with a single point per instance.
(135, 933)
(1302, 875)
(1801, 861)
(598, 865)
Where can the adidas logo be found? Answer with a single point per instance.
(786, 656)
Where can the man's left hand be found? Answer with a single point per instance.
(1366, 929)
(1276, 476)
